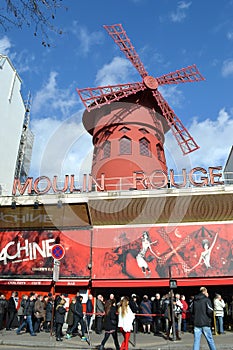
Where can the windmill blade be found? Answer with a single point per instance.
(96, 97)
(184, 139)
(185, 75)
(120, 37)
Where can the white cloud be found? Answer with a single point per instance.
(53, 99)
(181, 12)
(86, 39)
(61, 147)
(173, 95)
(227, 67)
(119, 71)
(5, 46)
(24, 61)
(230, 35)
(214, 138)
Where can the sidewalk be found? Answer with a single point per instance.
(143, 341)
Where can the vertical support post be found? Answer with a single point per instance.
(172, 307)
(53, 310)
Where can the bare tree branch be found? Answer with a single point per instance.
(36, 14)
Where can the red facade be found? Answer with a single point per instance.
(142, 254)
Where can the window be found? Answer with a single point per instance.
(125, 145)
(144, 131)
(124, 129)
(159, 152)
(144, 147)
(106, 149)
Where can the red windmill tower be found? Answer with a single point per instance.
(128, 122)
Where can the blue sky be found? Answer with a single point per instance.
(167, 35)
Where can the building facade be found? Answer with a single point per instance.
(15, 136)
(121, 240)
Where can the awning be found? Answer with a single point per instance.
(188, 282)
(44, 282)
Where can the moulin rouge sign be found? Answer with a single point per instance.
(156, 180)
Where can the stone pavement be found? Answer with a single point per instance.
(143, 341)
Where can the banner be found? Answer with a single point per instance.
(26, 254)
(151, 252)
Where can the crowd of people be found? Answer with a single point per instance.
(167, 315)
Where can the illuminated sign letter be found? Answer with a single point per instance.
(172, 180)
(198, 184)
(213, 175)
(139, 176)
(17, 185)
(54, 185)
(158, 179)
(36, 184)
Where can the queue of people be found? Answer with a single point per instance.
(35, 313)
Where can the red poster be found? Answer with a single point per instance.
(28, 253)
(150, 252)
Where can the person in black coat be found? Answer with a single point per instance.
(3, 308)
(134, 306)
(70, 315)
(202, 311)
(28, 314)
(110, 323)
(48, 314)
(60, 318)
(157, 310)
(12, 310)
(78, 318)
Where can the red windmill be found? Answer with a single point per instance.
(128, 121)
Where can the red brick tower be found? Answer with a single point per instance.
(128, 123)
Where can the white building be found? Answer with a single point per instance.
(14, 132)
(228, 170)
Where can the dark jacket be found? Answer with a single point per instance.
(3, 306)
(78, 309)
(48, 311)
(145, 308)
(22, 307)
(11, 305)
(89, 306)
(110, 319)
(157, 307)
(70, 314)
(29, 308)
(134, 306)
(202, 311)
(99, 308)
(60, 314)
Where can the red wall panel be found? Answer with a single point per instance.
(185, 251)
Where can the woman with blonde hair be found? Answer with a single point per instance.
(125, 321)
